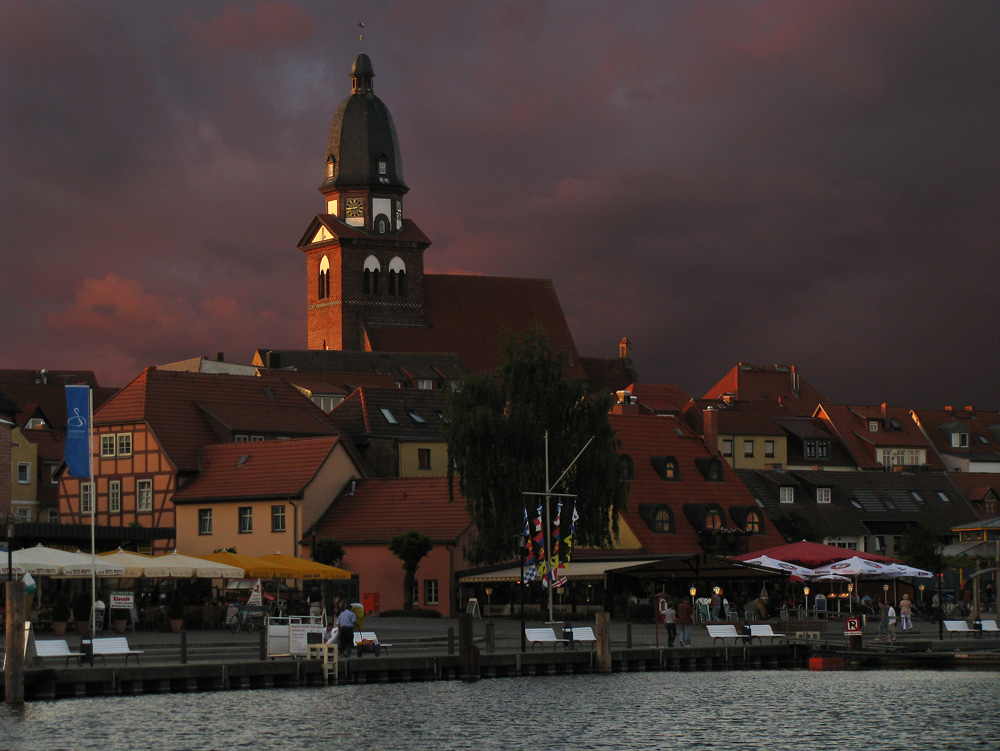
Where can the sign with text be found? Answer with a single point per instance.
(852, 626)
(121, 599)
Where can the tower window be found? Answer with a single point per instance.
(371, 280)
(381, 166)
(397, 277)
(331, 168)
(323, 285)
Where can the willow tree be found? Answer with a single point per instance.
(495, 426)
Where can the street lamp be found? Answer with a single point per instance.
(939, 612)
(921, 588)
(693, 591)
(805, 591)
(522, 541)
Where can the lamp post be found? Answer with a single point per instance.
(693, 591)
(805, 591)
(10, 520)
(921, 588)
(522, 541)
(939, 613)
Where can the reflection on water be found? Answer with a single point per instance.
(780, 711)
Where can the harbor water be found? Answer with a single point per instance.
(777, 710)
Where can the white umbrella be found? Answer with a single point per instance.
(185, 566)
(773, 563)
(43, 561)
(857, 567)
(136, 565)
(899, 570)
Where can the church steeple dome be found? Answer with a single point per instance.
(362, 152)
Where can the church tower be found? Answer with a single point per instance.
(364, 261)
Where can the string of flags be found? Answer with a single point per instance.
(551, 569)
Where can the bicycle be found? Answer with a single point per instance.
(245, 619)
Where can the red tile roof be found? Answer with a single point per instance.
(983, 427)
(644, 437)
(468, 314)
(380, 509)
(660, 397)
(25, 389)
(332, 383)
(258, 469)
(772, 384)
(186, 410)
(850, 424)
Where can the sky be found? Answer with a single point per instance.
(799, 183)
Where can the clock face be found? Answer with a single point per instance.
(355, 207)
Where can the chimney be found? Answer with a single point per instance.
(625, 404)
(625, 348)
(220, 356)
(949, 408)
(711, 430)
(885, 413)
(795, 381)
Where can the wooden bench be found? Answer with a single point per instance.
(957, 627)
(989, 627)
(543, 636)
(581, 635)
(760, 631)
(55, 648)
(374, 645)
(727, 631)
(113, 646)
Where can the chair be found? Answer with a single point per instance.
(152, 618)
(211, 616)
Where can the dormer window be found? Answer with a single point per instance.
(873, 426)
(959, 440)
(823, 495)
(382, 167)
(628, 468)
(816, 448)
(331, 168)
(666, 467)
(786, 495)
(658, 517)
(713, 520)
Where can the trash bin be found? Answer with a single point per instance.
(99, 615)
(359, 613)
(371, 602)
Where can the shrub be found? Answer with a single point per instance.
(81, 606)
(60, 608)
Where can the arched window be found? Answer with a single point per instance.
(713, 520)
(753, 523)
(397, 277)
(323, 287)
(331, 167)
(663, 521)
(372, 270)
(658, 517)
(628, 468)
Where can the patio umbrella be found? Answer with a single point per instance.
(773, 563)
(136, 565)
(812, 554)
(858, 568)
(43, 561)
(306, 569)
(254, 567)
(185, 567)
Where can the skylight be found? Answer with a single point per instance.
(415, 417)
(943, 497)
(389, 417)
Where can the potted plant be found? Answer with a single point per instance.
(175, 611)
(60, 614)
(81, 612)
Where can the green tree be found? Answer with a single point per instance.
(495, 426)
(917, 547)
(327, 551)
(410, 547)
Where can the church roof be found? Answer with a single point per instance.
(468, 314)
(363, 133)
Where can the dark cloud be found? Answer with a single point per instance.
(801, 183)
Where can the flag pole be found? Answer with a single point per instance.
(93, 512)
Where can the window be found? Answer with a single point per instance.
(115, 496)
(23, 514)
(241, 438)
(204, 521)
(817, 448)
(786, 495)
(389, 417)
(823, 495)
(990, 506)
(372, 269)
(916, 496)
(747, 448)
(124, 444)
(769, 449)
(873, 426)
(662, 521)
(87, 497)
(415, 417)
(24, 472)
(430, 591)
(323, 285)
(278, 518)
(53, 516)
(960, 440)
(754, 523)
(144, 496)
(108, 444)
(416, 592)
(943, 497)
(727, 447)
(425, 383)
(670, 469)
(245, 516)
(424, 458)
(713, 520)
(381, 166)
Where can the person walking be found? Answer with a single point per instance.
(883, 621)
(315, 602)
(715, 603)
(346, 622)
(906, 613)
(670, 621)
(685, 619)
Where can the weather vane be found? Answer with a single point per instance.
(361, 25)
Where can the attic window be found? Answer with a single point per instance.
(713, 520)
(960, 440)
(331, 168)
(242, 460)
(679, 432)
(415, 417)
(381, 166)
(666, 467)
(658, 517)
(267, 392)
(943, 497)
(823, 495)
(889, 504)
(895, 424)
(857, 504)
(786, 495)
(983, 440)
(389, 417)
(916, 496)
(873, 426)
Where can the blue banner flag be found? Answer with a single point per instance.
(77, 451)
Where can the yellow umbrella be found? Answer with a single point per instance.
(306, 569)
(254, 567)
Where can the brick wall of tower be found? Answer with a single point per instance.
(6, 468)
(338, 319)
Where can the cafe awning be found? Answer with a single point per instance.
(583, 570)
(306, 569)
(254, 567)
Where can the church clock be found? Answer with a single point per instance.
(355, 208)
